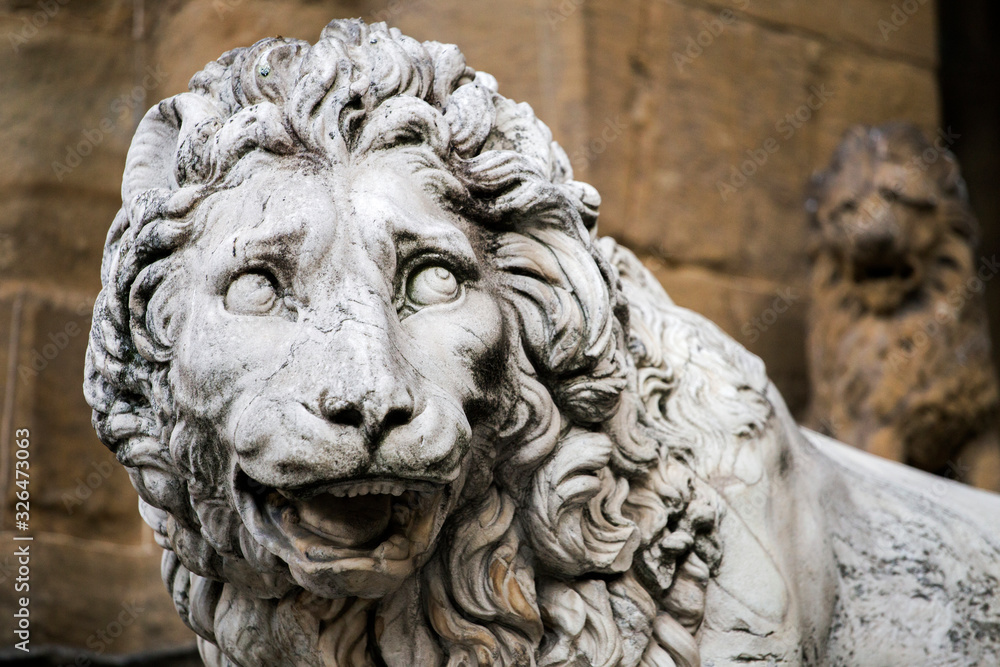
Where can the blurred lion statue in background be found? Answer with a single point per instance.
(898, 346)
(387, 399)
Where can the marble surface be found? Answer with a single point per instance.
(387, 398)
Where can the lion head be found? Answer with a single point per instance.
(899, 350)
(369, 372)
(890, 218)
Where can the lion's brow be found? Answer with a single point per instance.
(271, 243)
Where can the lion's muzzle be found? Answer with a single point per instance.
(375, 525)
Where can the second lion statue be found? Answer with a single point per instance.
(388, 399)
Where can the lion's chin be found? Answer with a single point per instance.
(361, 538)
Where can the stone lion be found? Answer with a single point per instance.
(899, 349)
(388, 400)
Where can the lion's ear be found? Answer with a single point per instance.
(566, 309)
(151, 160)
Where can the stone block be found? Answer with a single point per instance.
(76, 486)
(94, 16)
(898, 28)
(56, 236)
(724, 117)
(617, 90)
(79, 97)
(97, 596)
(872, 91)
(695, 114)
(71, 121)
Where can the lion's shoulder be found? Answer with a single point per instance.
(702, 389)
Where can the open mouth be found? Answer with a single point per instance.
(378, 519)
(899, 269)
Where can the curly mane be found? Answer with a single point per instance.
(593, 516)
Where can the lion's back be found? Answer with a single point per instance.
(918, 563)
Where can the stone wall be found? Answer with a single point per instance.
(660, 104)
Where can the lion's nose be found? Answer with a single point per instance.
(371, 414)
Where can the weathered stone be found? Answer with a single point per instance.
(708, 169)
(899, 348)
(893, 27)
(871, 90)
(387, 398)
(118, 604)
(75, 487)
(33, 17)
(79, 142)
(618, 90)
(55, 236)
(690, 133)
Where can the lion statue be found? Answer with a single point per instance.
(387, 399)
(899, 351)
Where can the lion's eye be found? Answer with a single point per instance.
(846, 208)
(431, 285)
(889, 194)
(251, 294)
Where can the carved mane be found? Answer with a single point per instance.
(593, 504)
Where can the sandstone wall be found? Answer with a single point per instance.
(659, 103)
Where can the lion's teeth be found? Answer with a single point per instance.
(368, 488)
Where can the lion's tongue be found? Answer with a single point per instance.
(347, 522)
